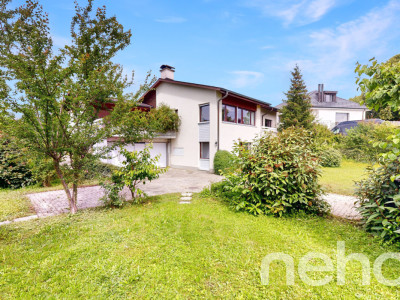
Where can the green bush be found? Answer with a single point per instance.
(358, 144)
(323, 137)
(14, 172)
(379, 200)
(330, 157)
(137, 168)
(99, 170)
(277, 176)
(223, 161)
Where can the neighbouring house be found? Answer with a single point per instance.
(329, 109)
(212, 119)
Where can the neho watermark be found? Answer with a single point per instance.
(305, 266)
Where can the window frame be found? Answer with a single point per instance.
(224, 111)
(200, 110)
(201, 152)
(239, 112)
(270, 123)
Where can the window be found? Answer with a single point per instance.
(243, 116)
(267, 123)
(204, 150)
(328, 97)
(341, 117)
(205, 113)
(228, 113)
(239, 115)
(246, 145)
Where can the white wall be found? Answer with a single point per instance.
(185, 148)
(327, 116)
(232, 132)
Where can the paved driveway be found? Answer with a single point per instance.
(173, 181)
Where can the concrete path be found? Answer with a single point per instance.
(173, 181)
(343, 206)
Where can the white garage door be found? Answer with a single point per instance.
(158, 149)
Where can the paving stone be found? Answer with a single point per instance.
(185, 202)
(173, 181)
(26, 218)
(187, 194)
(343, 206)
(186, 198)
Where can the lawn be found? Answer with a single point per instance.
(162, 249)
(14, 204)
(341, 180)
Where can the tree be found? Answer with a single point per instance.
(375, 86)
(297, 111)
(57, 96)
(380, 83)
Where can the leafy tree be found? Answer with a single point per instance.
(58, 95)
(380, 79)
(379, 193)
(297, 111)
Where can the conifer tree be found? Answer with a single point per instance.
(297, 111)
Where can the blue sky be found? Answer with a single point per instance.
(250, 46)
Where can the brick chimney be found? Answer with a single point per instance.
(167, 72)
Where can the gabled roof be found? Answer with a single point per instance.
(339, 103)
(215, 88)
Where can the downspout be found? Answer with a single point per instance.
(262, 118)
(218, 112)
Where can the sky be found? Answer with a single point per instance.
(249, 46)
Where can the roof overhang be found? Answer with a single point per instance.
(215, 88)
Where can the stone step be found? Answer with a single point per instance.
(186, 198)
(187, 194)
(185, 202)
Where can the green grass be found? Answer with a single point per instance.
(165, 250)
(14, 204)
(341, 180)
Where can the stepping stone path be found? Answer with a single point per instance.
(186, 198)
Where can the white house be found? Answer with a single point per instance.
(212, 119)
(329, 109)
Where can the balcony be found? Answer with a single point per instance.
(269, 129)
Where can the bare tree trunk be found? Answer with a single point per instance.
(74, 207)
(60, 175)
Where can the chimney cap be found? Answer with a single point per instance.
(167, 67)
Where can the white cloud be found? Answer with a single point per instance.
(292, 11)
(330, 54)
(171, 20)
(246, 78)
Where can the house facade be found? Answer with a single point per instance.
(329, 109)
(212, 119)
